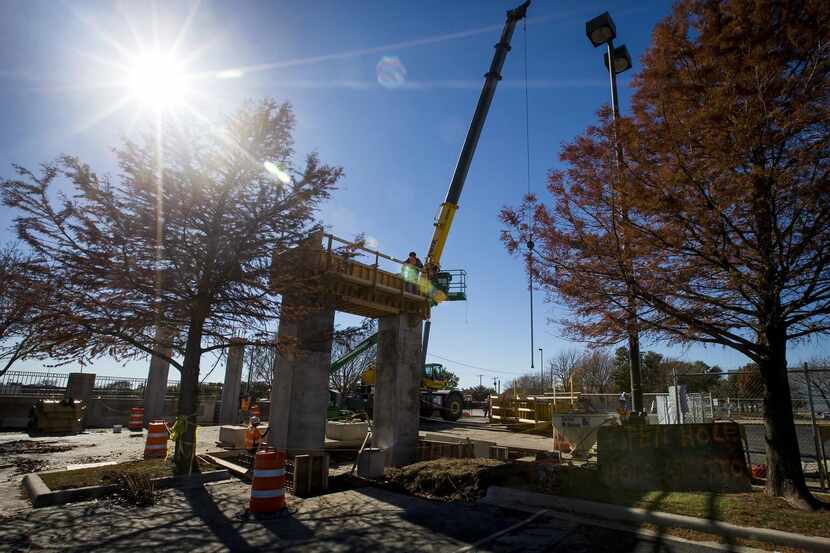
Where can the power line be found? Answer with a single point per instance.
(472, 366)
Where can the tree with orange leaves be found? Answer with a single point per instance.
(726, 191)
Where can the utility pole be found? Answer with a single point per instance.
(480, 376)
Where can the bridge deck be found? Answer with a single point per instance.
(358, 288)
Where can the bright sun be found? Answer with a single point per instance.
(157, 81)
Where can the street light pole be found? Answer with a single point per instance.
(601, 30)
(542, 370)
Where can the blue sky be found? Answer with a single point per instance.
(396, 128)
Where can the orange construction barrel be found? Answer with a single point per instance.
(157, 436)
(136, 422)
(268, 485)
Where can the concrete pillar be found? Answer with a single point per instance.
(79, 386)
(397, 388)
(300, 389)
(229, 413)
(156, 389)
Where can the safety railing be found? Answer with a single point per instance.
(117, 386)
(31, 383)
(360, 264)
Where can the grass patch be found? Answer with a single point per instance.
(744, 509)
(109, 474)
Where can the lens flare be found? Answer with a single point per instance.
(391, 72)
(275, 170)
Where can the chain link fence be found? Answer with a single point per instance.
(739, 396)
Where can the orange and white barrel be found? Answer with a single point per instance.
(268, 484)
(157, 436)
(252, 437)
(255, 410)
(136, 421)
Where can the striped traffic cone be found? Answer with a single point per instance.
(268, 485)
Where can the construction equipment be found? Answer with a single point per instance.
(432, 264)
(447, 285)
(435, 395)
(442, 281)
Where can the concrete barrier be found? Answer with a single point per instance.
(101, 412)
(481, 448)
(347, 431)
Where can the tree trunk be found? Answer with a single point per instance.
(785, 477)
(189, 394)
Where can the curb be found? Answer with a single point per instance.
(511, 498)
(42, 496)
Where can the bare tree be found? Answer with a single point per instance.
(563, 366)
(261, 367)
(347, 377)
(595, 371)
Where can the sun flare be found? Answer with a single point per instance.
(157, 81)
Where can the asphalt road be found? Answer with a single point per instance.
(806, 444)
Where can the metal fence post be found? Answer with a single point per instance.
(819, 461)
(676, 396)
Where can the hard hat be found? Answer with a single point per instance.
(254, 420)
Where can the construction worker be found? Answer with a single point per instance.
(253, 436)
(411, 268)
(413, 260)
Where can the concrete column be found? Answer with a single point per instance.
(79, 386)
(300, 389)
(397, 388)
(229, 413)
(156, 389)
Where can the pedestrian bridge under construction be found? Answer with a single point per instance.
(362, 281)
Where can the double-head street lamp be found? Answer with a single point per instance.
(601, 30)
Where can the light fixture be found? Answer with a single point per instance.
(622, 59)
(601, 29)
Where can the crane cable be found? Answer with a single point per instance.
(528, 214)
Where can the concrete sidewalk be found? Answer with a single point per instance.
(365, 519)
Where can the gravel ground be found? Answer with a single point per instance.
(20, 455)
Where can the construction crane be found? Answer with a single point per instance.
(445, 288)
(443, 223)
(450, 285)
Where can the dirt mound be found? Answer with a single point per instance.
(450, 479)
(28, 447)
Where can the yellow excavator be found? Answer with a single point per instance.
(449, 285)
